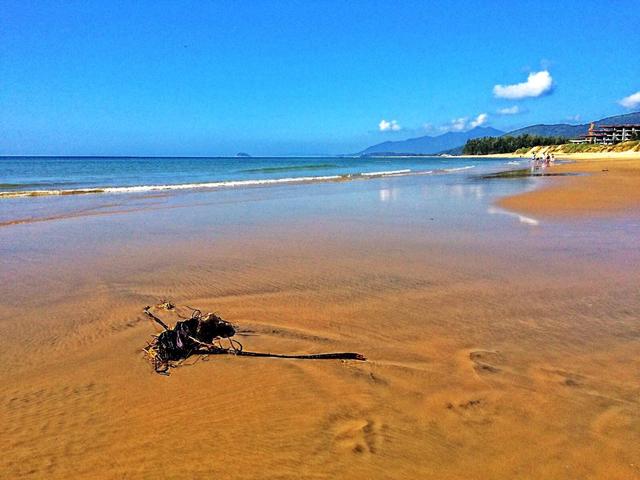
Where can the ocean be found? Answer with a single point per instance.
(42, 176)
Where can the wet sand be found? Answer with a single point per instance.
(603, 187)
(496, 349)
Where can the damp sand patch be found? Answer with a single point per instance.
(525, 172)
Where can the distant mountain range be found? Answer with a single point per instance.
(566, 130)
(452, 142)
(430, 145)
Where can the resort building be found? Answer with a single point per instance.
(608, 134)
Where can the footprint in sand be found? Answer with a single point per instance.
(486, 361)
(563, 377)
(476, 410)
(359, 436)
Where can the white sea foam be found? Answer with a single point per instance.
(227, 184)
(388, 173)
(179, 186)
(457, 169)
(219, 185)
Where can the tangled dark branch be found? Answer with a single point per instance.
(203, 335)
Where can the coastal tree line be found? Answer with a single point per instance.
(508, 144)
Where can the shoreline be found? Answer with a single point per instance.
(593, 185)
(626, 155)
(230, 184)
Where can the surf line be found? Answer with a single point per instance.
(219, 185)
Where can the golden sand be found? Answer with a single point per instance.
(485, 362)
(605, 186)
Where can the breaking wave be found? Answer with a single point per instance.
(221, 184)
(457, 169)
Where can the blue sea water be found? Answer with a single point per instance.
(35, 176)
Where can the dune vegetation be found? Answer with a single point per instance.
(630, 146)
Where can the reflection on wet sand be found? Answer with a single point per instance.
(521, 218)
(388, 194)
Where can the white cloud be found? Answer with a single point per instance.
(537, 84)
(574, 118)
(479, 120)
(632, 101)
(457, 124)
(386, 126)
(510, 110)
(461, 124)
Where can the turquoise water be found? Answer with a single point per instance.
(30, 176)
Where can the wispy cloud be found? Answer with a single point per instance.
(574, 118)
(632, 101)
(456, 125)
(389, 126)
(510, 110)
(461, 124)
(537, 84)
(479, 120)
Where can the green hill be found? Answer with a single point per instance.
(571, 131)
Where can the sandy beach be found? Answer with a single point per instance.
(602, 186)
(240, 240)
(496, 348)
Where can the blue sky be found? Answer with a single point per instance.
(305, 77)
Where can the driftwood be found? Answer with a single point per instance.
(202, 335)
